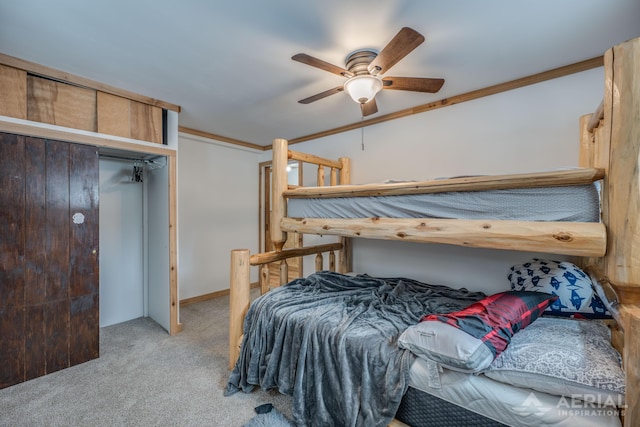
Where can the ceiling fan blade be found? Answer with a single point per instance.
(321, 95)
(319, 63)
(404, 42)
(369, 108)
(415, 84)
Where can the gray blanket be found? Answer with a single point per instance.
(330, 341)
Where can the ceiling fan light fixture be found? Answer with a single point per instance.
(363, 89)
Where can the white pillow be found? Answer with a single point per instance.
(447, 345)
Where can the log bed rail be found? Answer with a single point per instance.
(609, 251)
(475, 183)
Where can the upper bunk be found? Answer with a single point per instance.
(552, 211)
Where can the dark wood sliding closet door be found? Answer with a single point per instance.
(48, 256)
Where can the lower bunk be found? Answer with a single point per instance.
(354, 350)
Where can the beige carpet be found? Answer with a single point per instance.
(144, 377)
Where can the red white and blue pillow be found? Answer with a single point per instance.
(572, 286)
(470, 339)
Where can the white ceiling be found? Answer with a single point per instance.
(227, 63)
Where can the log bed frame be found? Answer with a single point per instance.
(609, 251)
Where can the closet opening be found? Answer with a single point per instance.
(134, 237)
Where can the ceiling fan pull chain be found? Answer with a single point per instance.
(362, 135)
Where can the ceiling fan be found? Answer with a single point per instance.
(364, 68)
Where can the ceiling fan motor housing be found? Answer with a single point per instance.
(357, 62)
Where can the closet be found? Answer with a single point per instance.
(134, 245)
(57, 214)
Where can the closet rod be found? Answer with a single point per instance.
(133, 159)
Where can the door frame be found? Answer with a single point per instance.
(264, 217)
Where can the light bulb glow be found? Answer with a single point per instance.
(363, 89)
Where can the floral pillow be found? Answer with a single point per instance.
(572, 286)
(564, 357)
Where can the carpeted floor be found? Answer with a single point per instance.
(144, 377)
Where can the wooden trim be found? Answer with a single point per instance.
(61, 104)
(43, 130)
(41, 70)
(569, 238)
(175, 325)
(13, 87)
(204, 297)
(468, 96)
(261, 171)
(222, 138)
(210, 296)
(475, 183)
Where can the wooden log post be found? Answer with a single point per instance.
(333, 180)
(345, 263)
(631, 355)
(332, 261)
(345, 257)
(621, 203)
(284, 272)
(320, 178)
(239, 299)
(319, 262)
(622, 186)
(264, 279)
(345, 170)
(279, 186)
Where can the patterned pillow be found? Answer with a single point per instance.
(469, 340)
(564, 357)
(576, 296)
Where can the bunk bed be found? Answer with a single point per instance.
(606, 247)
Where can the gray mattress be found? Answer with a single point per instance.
(579, 203)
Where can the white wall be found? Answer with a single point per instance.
(529, 129)
(121, 244)
(218, 211)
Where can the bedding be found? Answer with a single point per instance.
(564, 203)
(330, 341)
(576, 294)
(460, 340)
(564, 357)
